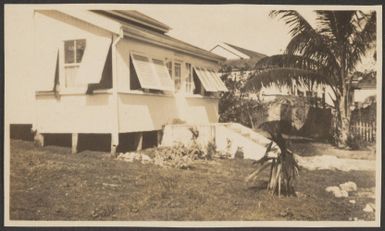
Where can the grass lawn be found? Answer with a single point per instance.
(51, 184)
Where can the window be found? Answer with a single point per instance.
(73, 54)
(189, 79)
(177, 76)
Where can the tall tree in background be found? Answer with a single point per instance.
(326, 54)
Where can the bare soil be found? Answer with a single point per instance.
(51, 184)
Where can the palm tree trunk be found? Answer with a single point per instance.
(342, 121)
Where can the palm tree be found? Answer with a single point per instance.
(325, 54)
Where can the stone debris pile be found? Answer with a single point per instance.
(134, 156)
(343, 189)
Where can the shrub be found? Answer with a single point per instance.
(355, 142)
(211, 150)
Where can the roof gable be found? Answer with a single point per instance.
(250, 53)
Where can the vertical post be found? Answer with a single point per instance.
(114, 143)
(158, 137)
(39, 139)
(115, 98)
(74, 147)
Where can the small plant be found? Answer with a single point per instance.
(211, 150)
(195, 133)
(239, 153)
(355, 142)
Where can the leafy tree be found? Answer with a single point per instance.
(236, 105)
(325, 54)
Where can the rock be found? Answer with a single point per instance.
(145, 159)
(344, 193)
(352, 201)
(368, 208)
(332, 189)
(128, 156)
(349, 186)
(337, 191)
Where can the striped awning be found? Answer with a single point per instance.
(152, 73)
(210, 80)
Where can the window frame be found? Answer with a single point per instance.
(189, 85)
(174, 77)
(73, 64)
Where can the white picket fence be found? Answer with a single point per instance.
(365, 130)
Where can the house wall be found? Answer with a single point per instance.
(74, 113)
(52, 28)
(127, 45)
(140, 111)
(361, 94)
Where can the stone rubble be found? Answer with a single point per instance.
(369, 208)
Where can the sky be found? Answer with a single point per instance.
(247, 26)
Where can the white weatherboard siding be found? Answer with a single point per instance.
(75, 114)
(145, 112)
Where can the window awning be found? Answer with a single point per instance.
(210, 80)
(146, 72)
(163, 74)
(217, 79)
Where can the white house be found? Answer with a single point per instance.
(111, 72)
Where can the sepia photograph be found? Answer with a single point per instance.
(175, 115)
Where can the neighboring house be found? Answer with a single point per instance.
(241, 61)
(114, 72)
(363, 88)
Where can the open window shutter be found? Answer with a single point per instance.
(206, 82)
(56, 81)
(146, 72)
(106, 80)
(163, 74)
(218, 82)
(94, 58)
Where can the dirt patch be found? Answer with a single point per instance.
(51, 184)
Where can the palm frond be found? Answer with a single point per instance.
(281, 76)
(296, 22)
(362, 40)
(307, 41)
